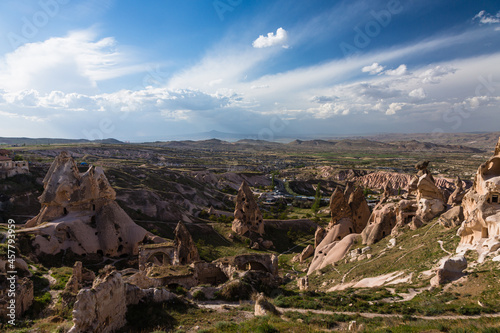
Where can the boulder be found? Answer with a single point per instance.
(303, 283)
(247, 215)
(450, 269)
(263, 307)
(306, 253)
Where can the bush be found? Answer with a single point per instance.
(199, 295)
(235, 291)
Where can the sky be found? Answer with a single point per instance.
(155, 70)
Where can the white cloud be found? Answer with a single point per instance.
(486, 18)
(280, 38)
(374, 68)
(418, 94)
(393, 108)
(401, 70)
(434, 74)
(75, 62)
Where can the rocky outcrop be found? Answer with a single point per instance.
(452, 218)
(318, 236)
(328, 253)
(378, 179)
(247, 215)
(339, 207)
(456, 197)
(186, 251)
(79, 214)
(23, 296)
(430, 198)
(80, 278)
(481, 207)
(263, 307)
(306, 253)
(450, 269)
(102, 308)
(382, 221)
(360, 210)
(303, 283)
(348, 216)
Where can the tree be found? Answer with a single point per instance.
(317, 199)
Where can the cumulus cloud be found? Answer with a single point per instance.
(72, 63)
(434, 74)
(418, 94)
(374, 68)
(401, 70)
(280, 38)
(485, 18)
(323, 99)
(393, 108)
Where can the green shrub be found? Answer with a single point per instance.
(199, 295)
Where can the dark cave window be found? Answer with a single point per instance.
(494, 198)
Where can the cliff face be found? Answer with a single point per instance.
(79, 213)
(481, 205)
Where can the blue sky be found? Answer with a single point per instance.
(153, 70)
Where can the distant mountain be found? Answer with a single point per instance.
(51, 141)
(229, 137)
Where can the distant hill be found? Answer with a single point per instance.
(481, 140)
(51, 141)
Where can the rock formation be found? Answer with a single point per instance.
(360, 210)
(306, 253)
(450, 269)
(247, 215)
(430, 198)
(318, 236)
(329, 253)
(263, 307)
(452, 218)
(339, 207)
(348, 216)
(79, 279)
(102, 308)
(458, 194)
(79, 214)
(481, 206)
(24, 296)
(186, 251)
(382, 220)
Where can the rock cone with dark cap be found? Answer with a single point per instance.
(247, 215)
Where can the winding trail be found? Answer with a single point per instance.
(224, 306)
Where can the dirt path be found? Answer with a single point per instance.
(390, 315)
(224, 306)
